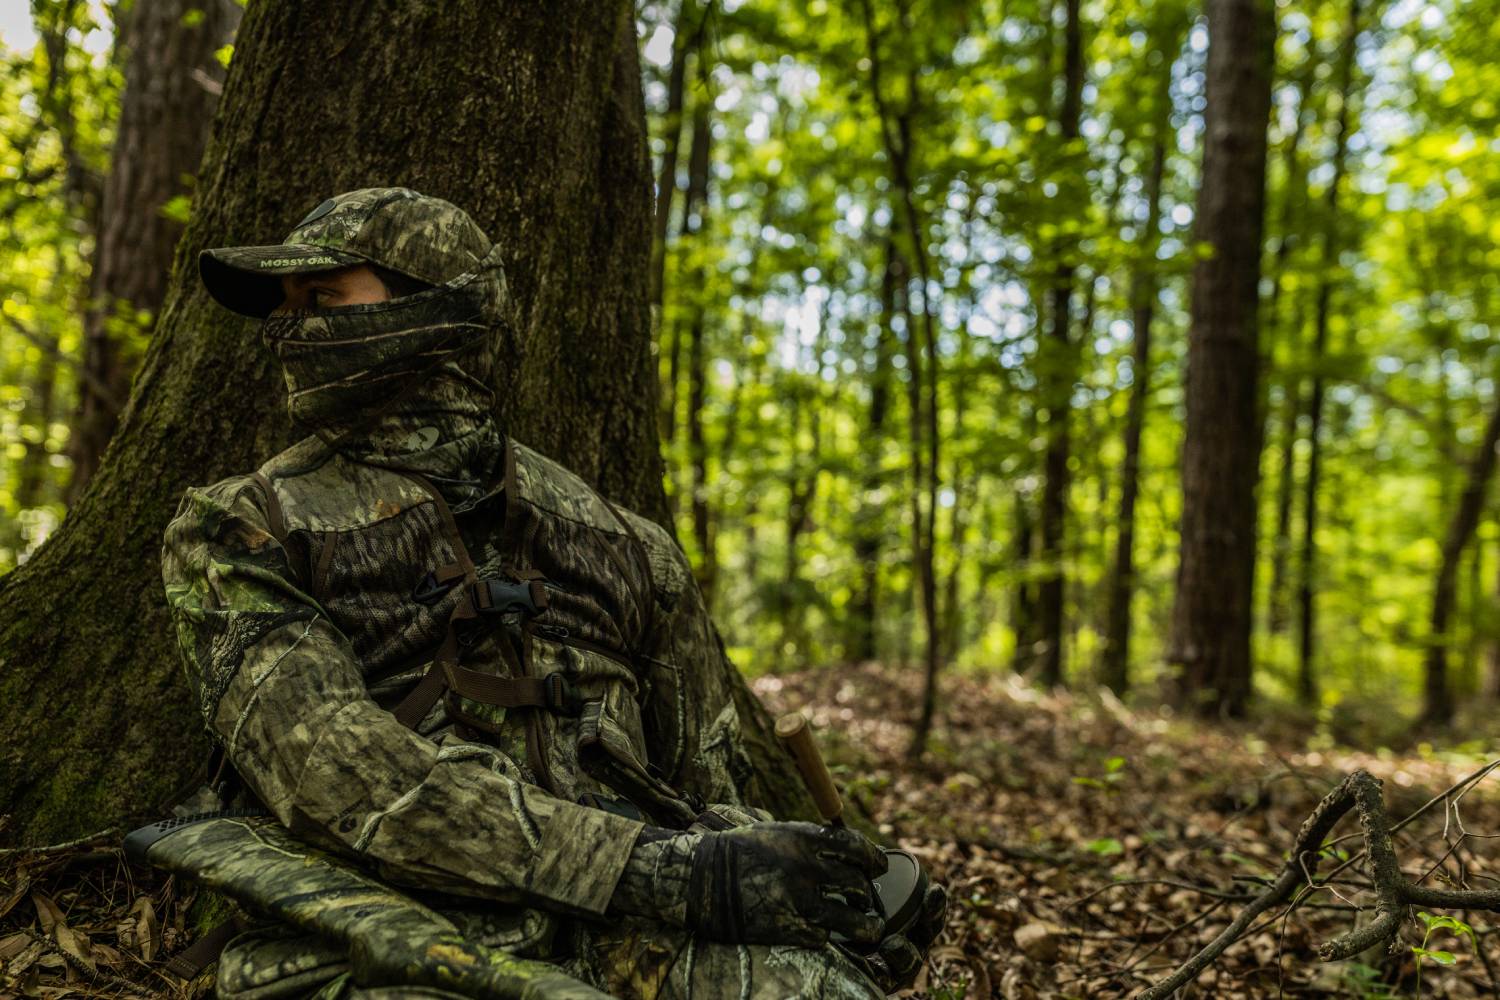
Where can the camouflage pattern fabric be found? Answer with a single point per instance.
(418, 235)
(298, 641)
(352, 927)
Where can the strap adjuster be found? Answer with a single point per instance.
(561, 696)
(429, 590)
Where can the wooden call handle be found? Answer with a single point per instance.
(793, 731)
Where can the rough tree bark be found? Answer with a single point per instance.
(1221, 452)
(171, 83)
(534, 121)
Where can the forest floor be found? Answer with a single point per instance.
(1088, 850)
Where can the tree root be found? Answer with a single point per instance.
(1393, 890)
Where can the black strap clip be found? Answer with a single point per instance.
(562, 697)
(429, 590)
(502, 597)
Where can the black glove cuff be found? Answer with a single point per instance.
(713, 907)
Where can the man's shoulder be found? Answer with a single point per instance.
(548, 483)
(319, 490)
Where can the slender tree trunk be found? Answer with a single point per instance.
(1221, 451)
(535, 122)
(31, 484)
(1492, 674)
(1023, 545)
(1437, 695)
(922, 363)
(1060, 366)
(687, 43)
(1307, 682)
(1115, 669)
(1468, 681)
(1277, 613)
(171, 83)
(687, 34)
(869, 528)
(696, 208)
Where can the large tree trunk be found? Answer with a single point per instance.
(171, 83)
(1437, 695)
(534, 121)
(1221, 452)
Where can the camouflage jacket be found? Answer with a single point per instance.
(309, 602)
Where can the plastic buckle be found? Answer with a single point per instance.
(501, 597)
(562, 697)
(429, 591)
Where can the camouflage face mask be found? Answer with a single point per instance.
(397, 382)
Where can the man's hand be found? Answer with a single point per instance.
(898, 959)
(785, 883)
(770, 883)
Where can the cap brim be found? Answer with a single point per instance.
(248, 279)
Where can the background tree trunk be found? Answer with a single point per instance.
(1059, 373)
(534, 122)
(1221, 452)
(1115, 666)
(171, 83)
(1437, 694)
(1307, 682)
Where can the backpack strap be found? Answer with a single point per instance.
(275, 516)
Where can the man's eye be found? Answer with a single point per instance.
(317, 297)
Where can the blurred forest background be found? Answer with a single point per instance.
(923, 275)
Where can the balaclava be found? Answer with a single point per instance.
(404, 383)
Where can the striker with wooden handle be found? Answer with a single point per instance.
(796, 735)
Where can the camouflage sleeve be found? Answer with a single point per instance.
(280, 688)
(692, 726)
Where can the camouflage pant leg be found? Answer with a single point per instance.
(638, 960)
(282, 963)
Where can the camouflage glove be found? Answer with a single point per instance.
(895, 963)
(770, 883)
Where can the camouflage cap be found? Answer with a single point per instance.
(422, 237)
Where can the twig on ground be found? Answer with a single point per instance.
(1360, 791)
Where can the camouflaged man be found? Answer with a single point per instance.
(441, 654)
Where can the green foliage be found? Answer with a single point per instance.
(58, 104)
(1437, 955)
(806, 386)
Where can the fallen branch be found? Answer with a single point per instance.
(1393, 890)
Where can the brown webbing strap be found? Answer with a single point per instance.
(506, 692)
(420, 699)
(202, 953)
